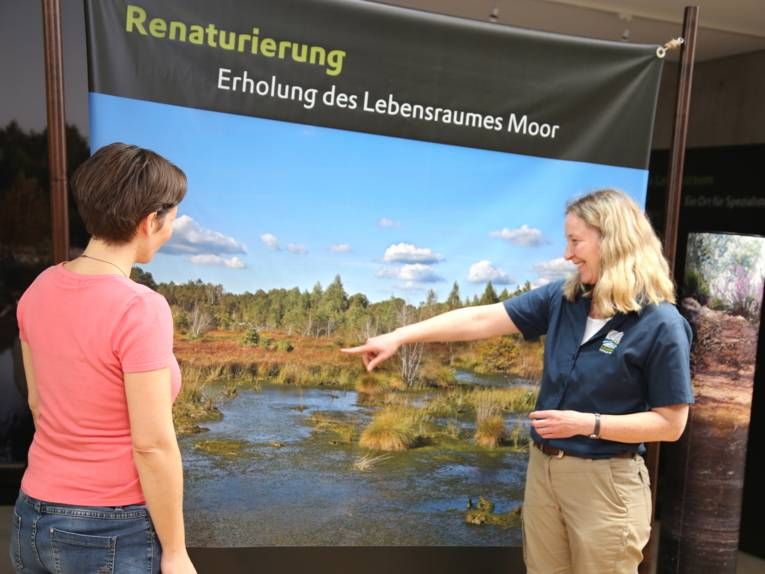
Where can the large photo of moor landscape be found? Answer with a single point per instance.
(295, 241)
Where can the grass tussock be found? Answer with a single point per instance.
(434, 374)
(301, 374)
(371, 385)
(456, 403)
(344, 430)
(451, 431)
(396, 428)
(466, 360)
(519, 399)
(195, 403)
(489, 426)
(225, 448)
(483, 513)
(511, 356)
(490, 432)
(449, 405)
(518, 438)
(529, 361)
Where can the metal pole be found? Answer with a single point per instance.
(54, 90)
(679, 133)
(674, 192)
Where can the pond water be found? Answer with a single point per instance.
(472, 378)
(294, 485)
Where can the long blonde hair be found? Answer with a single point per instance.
(633, 270)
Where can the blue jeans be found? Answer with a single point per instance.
(62, 539)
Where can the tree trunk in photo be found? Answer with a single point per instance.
(199, 321)
(703, 473)
(702, 498)
(410, 357)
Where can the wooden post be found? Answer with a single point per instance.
(674, 193)
(54, 90)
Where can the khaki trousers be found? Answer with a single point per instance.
(583, 516)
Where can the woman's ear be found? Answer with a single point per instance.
(149, 225)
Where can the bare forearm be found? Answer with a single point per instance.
(161, 475)
(467, 324)
(638, 427)
(660, 424)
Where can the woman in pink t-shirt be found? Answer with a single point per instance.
(103, 491)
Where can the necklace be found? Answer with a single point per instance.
(104, 261)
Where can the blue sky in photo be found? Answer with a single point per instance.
(277, 204)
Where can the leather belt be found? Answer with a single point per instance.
(558, 453)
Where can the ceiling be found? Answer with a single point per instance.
(726, 27)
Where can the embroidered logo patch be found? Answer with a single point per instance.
(611, 341)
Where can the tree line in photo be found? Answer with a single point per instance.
(199, 307)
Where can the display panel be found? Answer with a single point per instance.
(423, 167)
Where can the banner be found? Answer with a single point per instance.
(353, 167)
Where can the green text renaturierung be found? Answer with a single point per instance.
(138, 21)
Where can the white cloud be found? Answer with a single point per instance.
(538, 282)
(554, 269)
(483, 272)
(413, 273)
(231, 262)
(271, 241)
(340, 248)
(408, 253)
(385, 222)
(192, 239)
(524, 235)
(412, 285)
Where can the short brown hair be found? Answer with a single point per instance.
(121, 184)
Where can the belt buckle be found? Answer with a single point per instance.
(560, 454)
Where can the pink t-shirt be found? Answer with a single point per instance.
(85, 332)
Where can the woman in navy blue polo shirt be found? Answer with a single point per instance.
(616, 375)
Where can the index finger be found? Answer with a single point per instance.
(354, 350)
(541, 414)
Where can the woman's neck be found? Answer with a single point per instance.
(101, 258)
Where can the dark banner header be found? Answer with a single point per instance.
(375, 68)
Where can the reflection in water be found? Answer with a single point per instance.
(296, 485)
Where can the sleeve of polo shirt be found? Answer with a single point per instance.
(531, 311)
(668, 365)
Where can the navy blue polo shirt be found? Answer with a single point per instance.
(636, 362)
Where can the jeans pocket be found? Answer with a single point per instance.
(15, 548)
(73, 552)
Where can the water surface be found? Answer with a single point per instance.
(293, 485)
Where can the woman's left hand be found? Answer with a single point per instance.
(562, 424)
